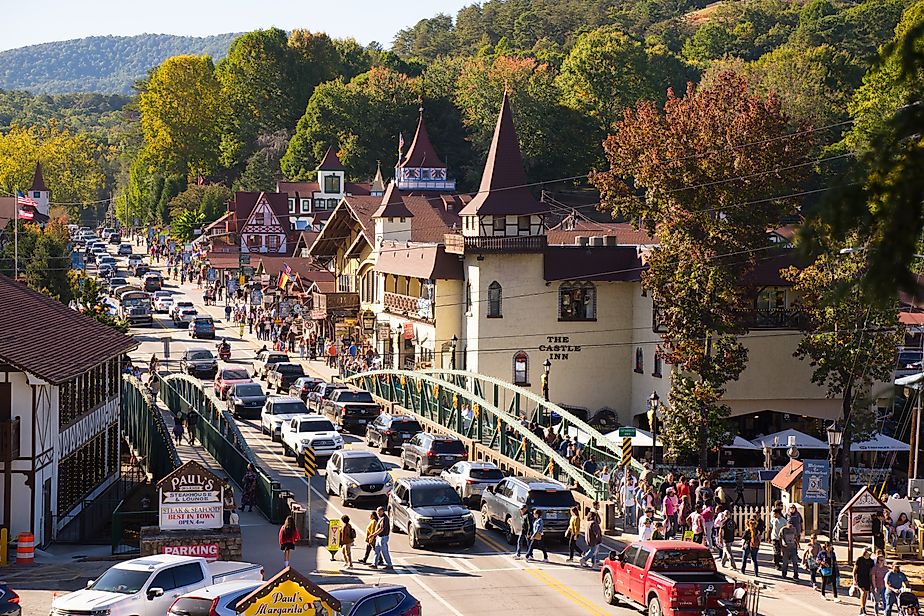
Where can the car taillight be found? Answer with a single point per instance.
(213, 610)
(465, 456)
(674, 595)
(429, 454)
(389, 432)
(470, 481)
(414, 611)
(13, 597)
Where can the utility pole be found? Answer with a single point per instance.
(15, 234)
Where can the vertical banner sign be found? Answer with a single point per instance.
(626, 452)
(333, 536)
(815, 481)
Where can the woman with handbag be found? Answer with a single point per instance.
(370, 536)
(827, 567)
(574, 529)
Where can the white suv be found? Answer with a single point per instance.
(279, 410)
(315, 431)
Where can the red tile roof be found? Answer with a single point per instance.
(422, 152)
(503, 190)
(42, 336)
(331, 162)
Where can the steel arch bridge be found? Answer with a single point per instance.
(466, 412)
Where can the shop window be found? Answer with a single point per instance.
(495, 294)
(521, 368)
(577, 301)
(639, 360)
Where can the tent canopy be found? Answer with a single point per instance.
(642, 438)
(780, 440)
(880, 442)
(914, 381)
(741, 443)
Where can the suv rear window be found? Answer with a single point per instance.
(550, 498)
(290, 369)
(201, 355)
(486, 473)
(288, 408)
(448, 447)
(354, 396)
(406, 426)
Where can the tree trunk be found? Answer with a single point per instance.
(703, 441)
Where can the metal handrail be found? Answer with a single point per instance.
(576, 474)
(144, 443)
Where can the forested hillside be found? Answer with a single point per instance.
(107, 64)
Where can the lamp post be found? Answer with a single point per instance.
(452, 349)
(654, 401)
(547, 364)
(835, 435)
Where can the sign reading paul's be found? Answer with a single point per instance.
(190, 498)
(289, 593)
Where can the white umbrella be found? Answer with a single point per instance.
(642, 438)
(913, 381)
(741, 443)
(880, 442)
(780, 440)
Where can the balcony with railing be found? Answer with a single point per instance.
(777, 318)
(405, 305)
(458, 244)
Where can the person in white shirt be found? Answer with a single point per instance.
(646, 519)
(646, 529)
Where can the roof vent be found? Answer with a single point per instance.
(581, 240)
(596, 240)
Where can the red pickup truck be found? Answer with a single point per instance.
(671, 578)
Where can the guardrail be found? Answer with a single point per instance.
(144, 428)
(221, 437)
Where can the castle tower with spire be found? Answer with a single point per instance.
(421, 169)
(39, 192)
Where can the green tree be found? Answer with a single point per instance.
(663, 171)
(182, 111)
(851, 339)
(89, 298)
(47, 266)
(210, 200)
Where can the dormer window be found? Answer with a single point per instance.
(291, 206)
(332, 184)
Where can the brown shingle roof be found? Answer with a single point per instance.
(331, 162)
(42, 336)
(418, 261)
(307, 269)
(592, 263)
(392, 204)
(38, 180)
(503, 190)
(624, 232)
(422, 152)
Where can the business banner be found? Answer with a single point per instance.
(815, 480)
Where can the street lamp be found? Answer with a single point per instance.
(452, 348)
(653, 401)
(547, 364)
(835, 436)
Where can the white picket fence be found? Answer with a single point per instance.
(742, 514)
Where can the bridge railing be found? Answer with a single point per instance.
(473, 417)
(220, 436)
(145, 429)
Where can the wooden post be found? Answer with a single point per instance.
(849, 537)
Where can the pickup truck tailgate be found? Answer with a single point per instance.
(229, 570)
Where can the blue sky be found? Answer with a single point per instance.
(28, 22)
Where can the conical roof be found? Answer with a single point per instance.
(378, 184)
(503, 190)
(392, 204)
(38, 181)
(422, 153)
(331, 162)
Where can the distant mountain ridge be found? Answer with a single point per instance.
(105, 64)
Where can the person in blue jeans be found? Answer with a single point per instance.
(751, 540)
(535, 538)
(895, 580)
(526, 523)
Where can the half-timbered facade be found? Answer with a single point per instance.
(59, 411)
(263, 222)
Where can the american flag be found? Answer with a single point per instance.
(22, 200)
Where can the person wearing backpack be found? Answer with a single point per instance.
(751, 541)
(347, 537)
(727, 536)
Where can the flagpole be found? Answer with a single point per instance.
(15, 235)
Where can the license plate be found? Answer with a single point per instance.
(361, 421)
(447, 458)
(405, 435)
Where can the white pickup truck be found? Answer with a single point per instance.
(149, 585)
(312, 430)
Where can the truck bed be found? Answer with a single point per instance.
(230, 570)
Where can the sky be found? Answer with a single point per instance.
(31, 22)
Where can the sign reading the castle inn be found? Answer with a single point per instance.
(190, 498)
(289, 592)
(559, 347)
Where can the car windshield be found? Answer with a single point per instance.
(365, 464)
(203, 322)
(289, 408)
(550, 498)
(355, 396)
(201, 355)
(406, 426)
(488, 474)
(448, 447)
(434, 496)
(234, 375)
(683, 560)
(249, 389)
(316, 425)
(124, 581)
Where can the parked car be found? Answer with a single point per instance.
(303, 385)
(351, 409)
(124, 250)
(185, 316)
(390, 432)
(217, 600)
(430, 453)
(199, 362)
(147, 586)
(671, 578)
(246, 400)
(471, 479)
(353, 475)
(202, 327)
(227, 378)
(315, 431)
(163, 304)
(266, 360)
(277, 411)
(431, 512)
(9, 601)
(500, 505)
(152, 281)
(282, 374)
(377, 600)
(322, 392)
(117, 281)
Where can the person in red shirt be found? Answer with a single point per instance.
(683, 488)
(288, 537)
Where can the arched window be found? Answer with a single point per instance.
(639, 360)
(521, 368)
(657, 364)
(495, 294)
(577, 301)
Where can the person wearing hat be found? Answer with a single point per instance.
(525, 528)
(895, 581)
(863, 577)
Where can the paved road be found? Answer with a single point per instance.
(482, 580)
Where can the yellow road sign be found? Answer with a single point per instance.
(310, 462)
(333, 535)
(626, 452)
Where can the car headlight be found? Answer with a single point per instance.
(422, 518)
(306, 442)
(388, 480)
(352, 482)
(469, 518)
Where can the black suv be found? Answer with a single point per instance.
(431, 453)
(430, 511)
(391, 431)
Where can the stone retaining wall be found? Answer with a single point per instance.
(228, 539)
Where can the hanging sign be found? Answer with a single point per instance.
(190, 498)
(408, 331)
(815, 480)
